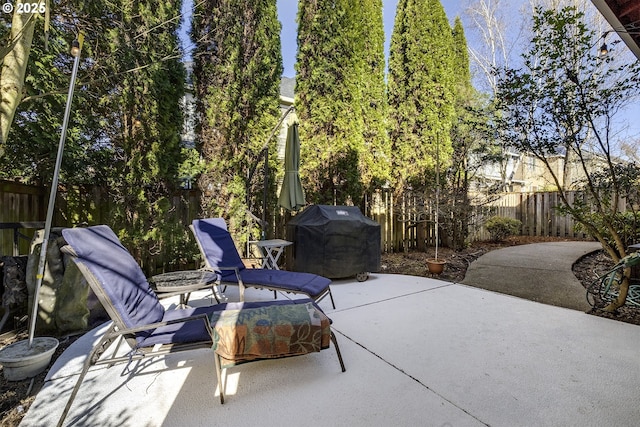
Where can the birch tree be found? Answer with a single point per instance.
(15, 57)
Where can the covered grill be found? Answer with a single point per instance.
(334, 241)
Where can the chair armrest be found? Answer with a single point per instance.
(218, 270)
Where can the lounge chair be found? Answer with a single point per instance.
(221, 256)
(150, 330)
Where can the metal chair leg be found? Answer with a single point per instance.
(219, 375)
(331, 296)
(93, 356)
(335, 345)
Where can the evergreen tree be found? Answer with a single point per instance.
(237, 71)
(375, 162)
(461, 66)
(126, 118)
(39, 115)
(330, 125)
(456, 207)
(340, 98)
(421, 92)
(144, 122)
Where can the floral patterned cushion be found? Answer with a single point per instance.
(269, 332)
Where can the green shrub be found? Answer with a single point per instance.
(624, 226)
(501, 227)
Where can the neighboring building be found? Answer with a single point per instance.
(287, 86)
(492, 175)
(526, 173)
(287, 89)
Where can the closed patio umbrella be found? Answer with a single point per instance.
(291, 193)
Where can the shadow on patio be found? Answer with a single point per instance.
(418, 351)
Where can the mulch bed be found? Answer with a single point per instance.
(17, 396)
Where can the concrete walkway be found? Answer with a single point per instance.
(538, 272)
(418, 352)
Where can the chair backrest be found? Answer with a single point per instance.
(115, 277)
(216, 244)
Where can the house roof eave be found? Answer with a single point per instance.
(624, 19)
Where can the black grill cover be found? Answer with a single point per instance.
(333, 241)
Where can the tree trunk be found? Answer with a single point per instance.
(14, 68)
(622, 295)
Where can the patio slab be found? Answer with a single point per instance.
(505, 360)
(418, 351)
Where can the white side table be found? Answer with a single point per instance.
(272, 250)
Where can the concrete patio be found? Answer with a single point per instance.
(418, 351)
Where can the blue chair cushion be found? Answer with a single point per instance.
(311, 284)
(120, 277)
(217, 245)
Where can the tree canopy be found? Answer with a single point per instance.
(340, 99)
(421, 87)
(126, 117)
(561, 105)
(237, 70)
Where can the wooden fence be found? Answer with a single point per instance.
(537, 212)
(19, 203)
(409, 222)
(76, 205)
(406, 223)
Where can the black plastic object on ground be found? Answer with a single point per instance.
(334, 242)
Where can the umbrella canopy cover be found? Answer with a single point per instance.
(291, 193)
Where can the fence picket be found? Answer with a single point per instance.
(406, 222)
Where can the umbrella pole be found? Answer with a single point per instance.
(265, 149)
(75, 51)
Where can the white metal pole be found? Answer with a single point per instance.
(75, 51)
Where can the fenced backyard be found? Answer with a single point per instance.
(406, 223)
(23, 211)
(409, 222)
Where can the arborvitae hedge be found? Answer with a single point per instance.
(340, 98)
(421, 87)
(237, 71)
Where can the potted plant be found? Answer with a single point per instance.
(436, 265)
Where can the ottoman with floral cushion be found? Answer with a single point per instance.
(246, 334)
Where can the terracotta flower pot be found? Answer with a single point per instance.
(435, 266)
